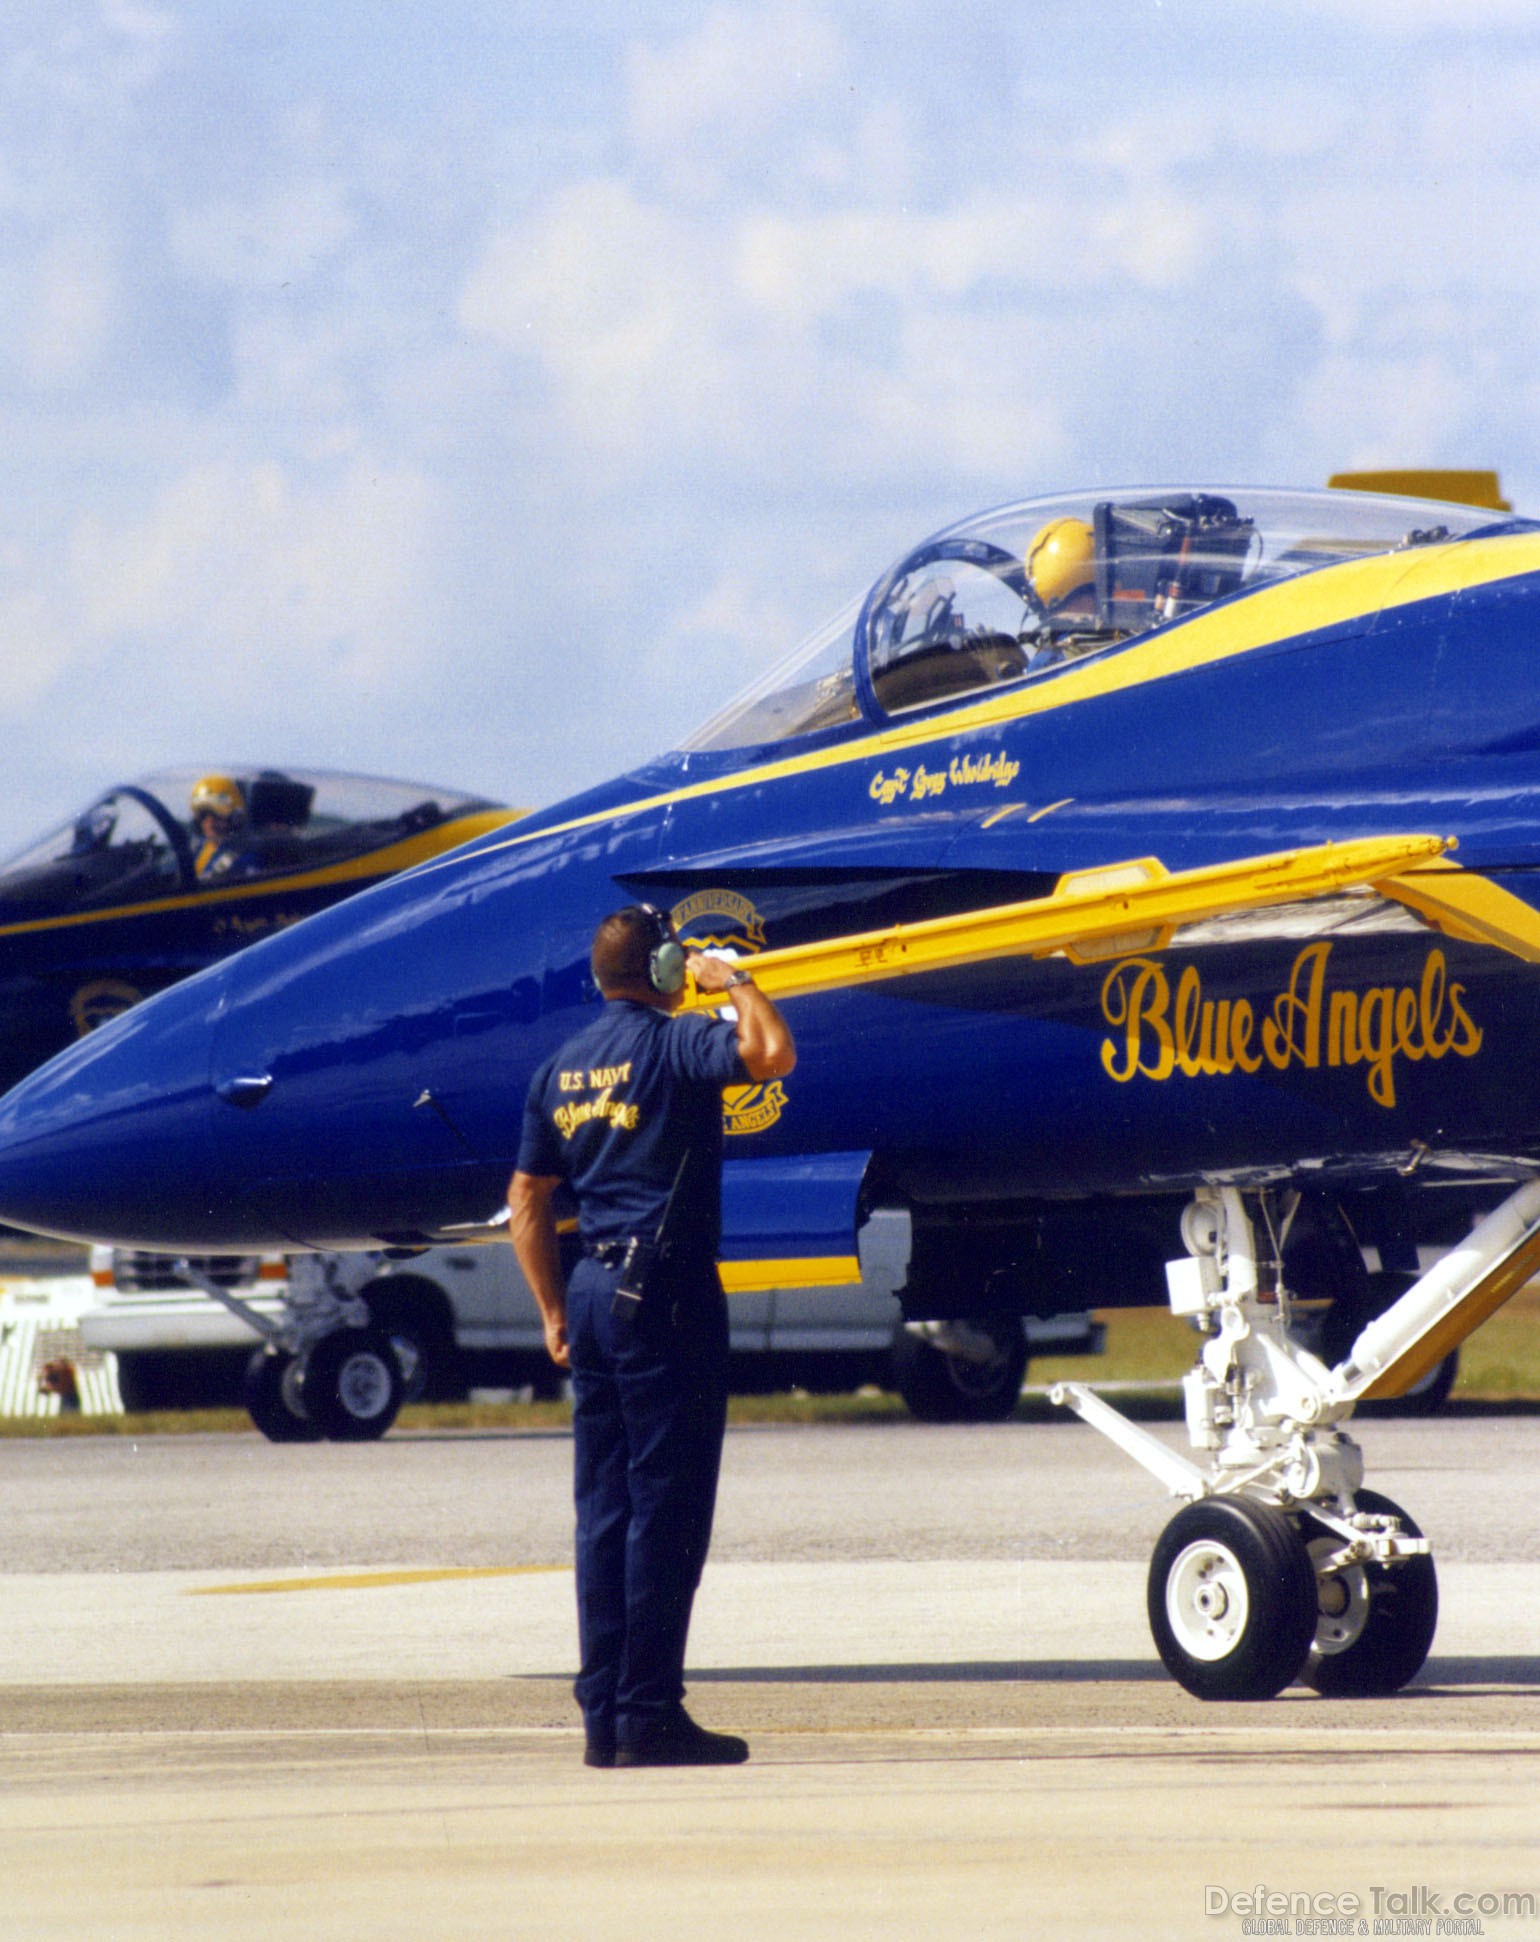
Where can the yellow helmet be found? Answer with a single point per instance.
(1061, 560)
(218, 795)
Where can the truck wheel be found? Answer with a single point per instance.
(1376, 1621)
(939, 1386)
(350, 1385)
(1232, 1599)
(412, 1311)
(145, 1382)
(150, 1379)
(273, 1401)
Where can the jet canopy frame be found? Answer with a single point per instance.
(959, 615)
(136, 842)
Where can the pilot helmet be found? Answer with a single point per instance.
(218, 795)
(1061, 560)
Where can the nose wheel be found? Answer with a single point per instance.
(1376, 1621)
(1245, 1600)
(351, 1385)
(1232, 1599)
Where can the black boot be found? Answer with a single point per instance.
(679, 1742)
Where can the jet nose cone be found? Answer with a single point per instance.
(112, 1140)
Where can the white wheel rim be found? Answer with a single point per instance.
(1207, 1602)
(289, 1390)
(363, 1384)
(1342, 1601)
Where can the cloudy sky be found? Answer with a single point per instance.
(481, 391)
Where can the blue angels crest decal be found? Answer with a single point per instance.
(719, 920)
(722, 920)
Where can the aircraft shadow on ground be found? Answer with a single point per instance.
(1515, 1674)
(1515, 1671)
(973, 1672)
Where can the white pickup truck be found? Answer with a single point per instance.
(462, 1317)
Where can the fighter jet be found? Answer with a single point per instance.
(1150, 878)
(156, 878)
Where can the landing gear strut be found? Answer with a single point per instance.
(323, 1370)
(1281, 1566)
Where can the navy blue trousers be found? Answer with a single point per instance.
(649, 1410)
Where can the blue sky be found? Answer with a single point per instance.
(484, 392)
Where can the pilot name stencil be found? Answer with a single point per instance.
(1161, 1031)
(963, 772)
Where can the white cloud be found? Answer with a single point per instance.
(1476, 18)
(138, 22)
(72, 310)
(743, 71)
(620, 300)
(1377, 411)
(252, 578)
(801, 267)
(278, 235)
(795, 275)
(34, 645)
(87, 54)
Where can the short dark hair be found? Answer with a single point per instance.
(622, 946)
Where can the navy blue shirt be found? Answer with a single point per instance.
(615, 1111)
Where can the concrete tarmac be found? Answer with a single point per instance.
(325, 1691)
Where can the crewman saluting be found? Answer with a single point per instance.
(629, 1114)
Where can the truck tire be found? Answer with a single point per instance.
(154, 1379)
(414, 1312)
(942, 1388)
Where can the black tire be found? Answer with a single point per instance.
(273, 1400)
(1232, 1599)
(146, 1382)
(1375, 1634)
(414, 1313)
(351, 1386)
(941, 1388)
(153, 1379)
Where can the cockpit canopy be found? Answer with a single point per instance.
(1020, 592)
(140, 841)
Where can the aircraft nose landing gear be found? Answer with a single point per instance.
(1232, 1599)
(323, 1369)
(1281, 1567)
(1376, 1624)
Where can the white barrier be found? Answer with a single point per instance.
(39, 1327)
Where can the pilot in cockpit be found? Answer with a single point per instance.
(1061, 577)
(218, 810)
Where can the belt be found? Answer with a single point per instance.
(611, 1254)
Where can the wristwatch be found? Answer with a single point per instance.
(739, 977)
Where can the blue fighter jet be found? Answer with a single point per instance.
(157, 878)
(1146, 871)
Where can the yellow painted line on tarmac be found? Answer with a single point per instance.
(369, 1580)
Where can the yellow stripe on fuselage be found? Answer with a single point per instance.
(1293, 609)
(375, 863)
(811, 1271)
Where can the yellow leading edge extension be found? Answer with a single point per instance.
(1092, 914)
